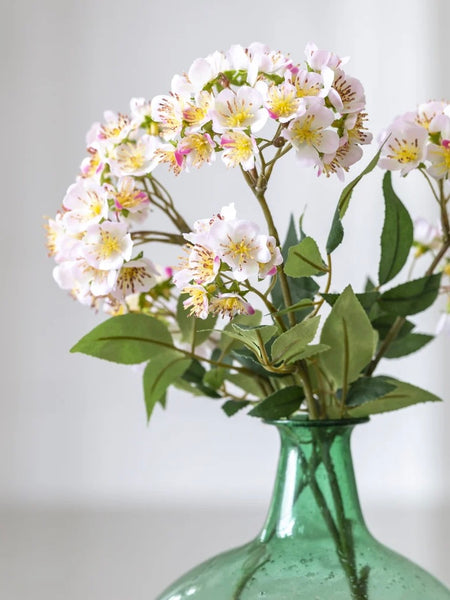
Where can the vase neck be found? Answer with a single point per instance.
(315, 489)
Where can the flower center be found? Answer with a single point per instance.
(109, 245)
(303, 133)
(404, 151)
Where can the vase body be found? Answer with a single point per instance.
(314, 544)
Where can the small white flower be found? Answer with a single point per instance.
(201, 267)
(197, 302)
(309, 135)
(129, 197)
(240, 245)
(168, 112)
(269, 268)
(229, 305)
(239, 110)
(135, 157)
(239, 149)
(86, 203)
(107, 246)
(405, 148)
(135, 277)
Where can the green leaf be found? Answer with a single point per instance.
(397, 235)
(231, 407)
(308, 352)
(299, 306)
(194, 375)
(367, 388)
(351, 338)
(336, 234)
(192, 328)
(370, 286)
(294, 340)
(347, 192)
(247, 383)
(247, 359)
(127, 339)
(304, 260)
(367, 299)
(279, 404)
(302, 287)
(403, 395)
(226, 344)
(291, 237)
(214, 378)
(411, 297)
(407, 345)
(254, 338)
(159, 374)
(384, 323)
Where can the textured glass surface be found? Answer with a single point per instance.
(314, 544)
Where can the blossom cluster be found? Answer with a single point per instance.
(419, 139)
(91, 243)
(224, 101)
(218, 107)
(223, 253)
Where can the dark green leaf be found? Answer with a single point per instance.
(128, 339)
(194, 375)
(279, 404)
(403, 395)
(291, 238)
(304, 259)
(370, 286)
(407, 345)
(384, 323)
(347, 192)
(397, 235)
(159, 374)
(368, 388)
(412, 297)
(336, 234)
(231, 407)
(247, 359)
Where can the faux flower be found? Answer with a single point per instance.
(229, 305)
(404, 148)
(86, 203)
(239, 110)
(310, 135)
(107, 246)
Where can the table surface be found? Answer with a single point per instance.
(133, 553)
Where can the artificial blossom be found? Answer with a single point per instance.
(240, 316)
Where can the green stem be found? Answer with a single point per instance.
(341, 530)
(287, 297)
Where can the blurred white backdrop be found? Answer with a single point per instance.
(73, 433)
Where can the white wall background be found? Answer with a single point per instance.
(72, 429)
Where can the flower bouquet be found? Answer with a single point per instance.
(252, 318)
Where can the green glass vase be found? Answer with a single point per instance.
(314, 544)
